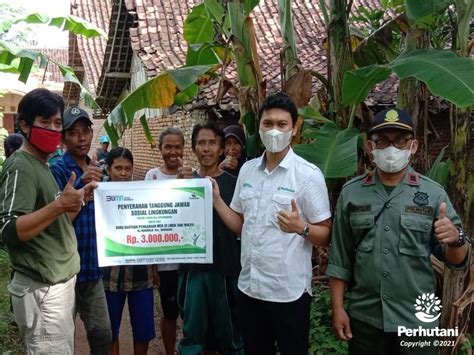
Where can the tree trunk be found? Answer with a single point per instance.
(340, 56)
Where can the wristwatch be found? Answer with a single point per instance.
(461, 240)
(305, 231)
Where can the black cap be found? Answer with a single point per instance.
(237, 132)
(72, 114)
(394, 118)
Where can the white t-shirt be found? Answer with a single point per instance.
(157, 174)
(276, 266)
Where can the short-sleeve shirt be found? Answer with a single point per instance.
(381, 245)
(226, 246)
(276, 266)
(156, 174)
(27, 185)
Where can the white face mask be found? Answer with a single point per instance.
(391, 159)
(274, 140)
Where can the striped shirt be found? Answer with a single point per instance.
(84, 224)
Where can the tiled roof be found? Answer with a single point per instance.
(158, 37)
(59, 55)
(92, 50)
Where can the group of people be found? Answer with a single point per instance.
(268, 213)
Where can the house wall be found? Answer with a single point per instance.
(146, 157)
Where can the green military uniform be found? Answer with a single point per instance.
(381, 246)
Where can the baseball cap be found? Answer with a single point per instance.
(391, 118)
(72, 114)
(104, 139)
(237, 132)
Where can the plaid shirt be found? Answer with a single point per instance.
(84, 224)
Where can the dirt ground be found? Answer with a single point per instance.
(126, 341)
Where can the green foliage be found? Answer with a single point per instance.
(439, 171)
(15, 59)
(371, 20)
(333, 150)
(321, 337)
(70, 23)
(467, 346)
(158, 92)
(10, 341)
(147, 132)
(446, 75)
(198, 26)
(424, 12)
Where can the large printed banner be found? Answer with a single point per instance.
(154, 222)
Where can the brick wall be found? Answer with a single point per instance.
(146, 157)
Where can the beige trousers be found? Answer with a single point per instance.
(44, 314)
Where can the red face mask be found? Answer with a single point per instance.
(43, 139)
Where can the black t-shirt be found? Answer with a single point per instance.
(226, 247)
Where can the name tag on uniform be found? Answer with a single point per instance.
(428, 211)
(360, 208)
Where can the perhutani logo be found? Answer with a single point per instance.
(428, 307)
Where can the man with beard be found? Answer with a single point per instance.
(91, 303)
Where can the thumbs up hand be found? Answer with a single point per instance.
(92, 173)
(71, 200)
(290, 222)
(445, 230)
(184, 172)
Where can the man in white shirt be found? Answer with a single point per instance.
(281, 209)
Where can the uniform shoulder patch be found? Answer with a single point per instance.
(413, 178)
(356, 179)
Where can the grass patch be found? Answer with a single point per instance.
(10, 341)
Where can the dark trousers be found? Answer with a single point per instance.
(264, 323)
(369, 340)
(91, 305)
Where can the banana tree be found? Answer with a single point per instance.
(216, 36)
(18, 60)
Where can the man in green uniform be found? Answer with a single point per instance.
(38, 232)
(388, 223)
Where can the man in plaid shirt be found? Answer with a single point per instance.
(91, 303)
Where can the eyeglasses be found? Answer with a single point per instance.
(399, 142)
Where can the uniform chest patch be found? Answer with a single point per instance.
(360, 208)
(421, 198)
(428, 211)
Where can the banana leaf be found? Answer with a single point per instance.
(439, 171)
(69, 75)
(333, 150)
(423, 12)
(70, 23)
(446, 74)
(158, 92)
(146, 130)
(198, 26)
